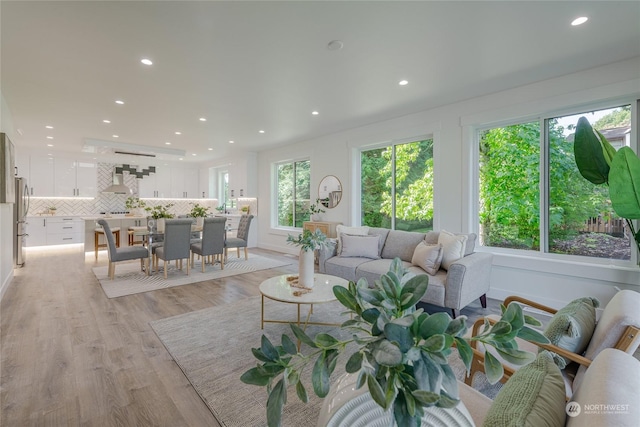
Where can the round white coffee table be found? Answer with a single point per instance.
(278, 289)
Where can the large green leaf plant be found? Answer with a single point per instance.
(398, 351)
(600, 163)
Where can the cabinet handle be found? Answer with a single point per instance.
(67, 238)
(203, 194)
(64, 228)
(67, 219)
(32, 191)
(44, 222)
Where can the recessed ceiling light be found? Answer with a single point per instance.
(115, 136)
(260, 131)
(193, 154)
(210, 149)
(231, 142)
(180, 158)
(106, 121)
(119, 102)
(49, 137)
(335, 45)
(579, 21)
(146, 61)
(49, 127)
(178, 133)
(49, 145)
(315, 113)
(403, 82)
(202, 119)
(167, 143)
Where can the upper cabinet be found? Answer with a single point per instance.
(184, 183)
(156, 185)
(75, 178)
(41, 176)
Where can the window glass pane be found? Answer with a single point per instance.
(414, 186)
(509, 186)
(397, 183)
(581, 219)
(293, 184)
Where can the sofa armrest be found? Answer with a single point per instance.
(468, 279)
(324, 254)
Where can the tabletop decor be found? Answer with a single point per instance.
(315, 210)
(308, 241)
(199, 212)
(135, 206)
(160, 213)
(401, 351)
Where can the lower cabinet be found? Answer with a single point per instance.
(327, 227)
(54, 231)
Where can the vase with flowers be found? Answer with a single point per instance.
(316, 211)
(308, 242)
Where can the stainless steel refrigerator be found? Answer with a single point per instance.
(20, 210)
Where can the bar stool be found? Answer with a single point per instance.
(100, 231)
(132, 235)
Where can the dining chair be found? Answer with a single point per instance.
(241, 239)
(127, 253)
(176, 246)
(212, 242)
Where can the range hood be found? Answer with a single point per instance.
(118, 186)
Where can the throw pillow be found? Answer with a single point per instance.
(427, 257)
(453, 247)
(359, 246)
(533, 396)
(354, 231)
(572, 326)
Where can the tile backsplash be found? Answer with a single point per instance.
(109, 202)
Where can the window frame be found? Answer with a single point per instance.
(473, 134)
(274, 192)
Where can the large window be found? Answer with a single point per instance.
(397, 186)
(293, 188)
(570, 215)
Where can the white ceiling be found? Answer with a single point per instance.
(250, 66)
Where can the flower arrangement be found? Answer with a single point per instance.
(309, 240)
(160, 211)
(199, 211)
(400, 351)
(134, 203)
(316, 208)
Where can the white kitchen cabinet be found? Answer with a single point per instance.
(156, 185)
(184, 183)
(41, 176)
(36, 231)
(75, 178)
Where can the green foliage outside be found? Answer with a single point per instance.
(294, 183)
(412, 178)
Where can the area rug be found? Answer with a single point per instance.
(130, 280)
(213, 349)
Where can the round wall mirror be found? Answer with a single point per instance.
(330, 191)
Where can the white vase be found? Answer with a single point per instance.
(316, 217)
(306, 267)
(200, 222)
(347, 406)
(160, 225)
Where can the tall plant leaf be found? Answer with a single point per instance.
(277, 399)
(590, 153)
(624, 184)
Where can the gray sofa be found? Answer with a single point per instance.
(465, 280)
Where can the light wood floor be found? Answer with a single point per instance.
(73, 357)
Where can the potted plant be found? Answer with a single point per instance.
(600, 163)
(397, 350)
(220, 208)
(308, 242)
(134, 205)
(52, 210)
(199, 212)
(160, 213)
(315, 210)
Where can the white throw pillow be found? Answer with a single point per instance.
(359, 246)
(354, 231)
(428, 257)
(453, 247)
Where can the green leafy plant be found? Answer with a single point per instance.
(401, 351)
(199, 211)
(600, 163)
(309, 240)
(160, 211)
(220, 208)
(134, 203)
(316, 208)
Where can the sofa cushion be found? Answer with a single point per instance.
(383, 233)
(533, 396)
(359, 246)
(354, 231)
(401, 244)
(453, 247)
(427, 257)
(344, 267)
(572, 326)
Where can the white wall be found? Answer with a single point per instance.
(6, 212)
(545, 278)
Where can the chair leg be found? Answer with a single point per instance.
(112, 269)
(95, 238)
(165, 268)
(221, 262)
(146, 265)
(246, 254)
(238, 252)
(204, 259)
(483, 300)
(188, 265)
(192, 258)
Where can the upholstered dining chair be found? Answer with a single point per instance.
(242, 237)
(177, 241)
(212, 242)
(123, 254)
